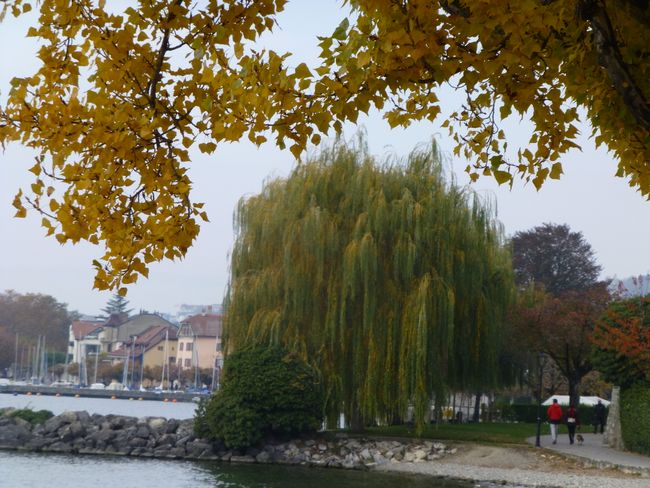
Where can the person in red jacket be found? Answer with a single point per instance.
(554, 414)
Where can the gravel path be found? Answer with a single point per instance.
(521, 468)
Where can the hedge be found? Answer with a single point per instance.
(635, 418)
(528, 413)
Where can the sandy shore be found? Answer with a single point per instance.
(520, 466)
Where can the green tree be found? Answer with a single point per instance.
(265, 391)
(117, 305)
(112, 114)
(390, 280)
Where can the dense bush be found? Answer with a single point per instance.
(635, 418)
(528, 413)
(34, 417)
(265, 392)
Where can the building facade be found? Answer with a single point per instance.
(199, 342)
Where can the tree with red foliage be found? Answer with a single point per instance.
(622, 340)
(561, 327)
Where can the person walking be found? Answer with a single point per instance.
(572, 422)
(600, 416)
(554, 415)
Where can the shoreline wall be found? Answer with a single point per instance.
(155, 437)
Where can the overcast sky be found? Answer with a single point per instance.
(613, 217)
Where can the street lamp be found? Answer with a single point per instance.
(541, 362)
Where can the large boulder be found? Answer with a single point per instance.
(14, 434)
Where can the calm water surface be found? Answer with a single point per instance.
(23, 470)
(103, 406)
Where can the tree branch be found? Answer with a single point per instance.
(610, 58)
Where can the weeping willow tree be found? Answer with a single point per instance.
(391, 281)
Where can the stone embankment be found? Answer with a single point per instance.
(81, 433)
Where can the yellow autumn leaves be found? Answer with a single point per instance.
(122, 97)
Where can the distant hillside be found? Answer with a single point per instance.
(636, 286)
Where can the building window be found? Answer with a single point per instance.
(180, 347)
(160, 348)
(188, 347)
(71, 344)
(172, 359)
(188, 363)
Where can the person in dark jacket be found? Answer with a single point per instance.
(600, 417)
(572, 422)
(554, 414)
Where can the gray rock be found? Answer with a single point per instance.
(242, 459)
(263, 457)
(143, 431)
(157, 424)
(84, 417)
(63, 447)
(166, 440)
(177, 452)
(419, 454)
(14, 435)
(37, 443)
(172, 426)
(137, 442)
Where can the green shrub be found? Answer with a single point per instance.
(34, 417)
(528, 413)
(265, 392)
(635, 418)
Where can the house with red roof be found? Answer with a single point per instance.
(83, 339)
(155, 346)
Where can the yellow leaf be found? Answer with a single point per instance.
(556, 171)
(36, 169)
(501, 176)
(302, 71)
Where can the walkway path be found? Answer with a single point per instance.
(594, 451)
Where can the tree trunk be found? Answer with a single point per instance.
(574, 390)
(477, 407)
(356, 420)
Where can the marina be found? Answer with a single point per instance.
(152, 395)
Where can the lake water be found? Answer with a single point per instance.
(103, 406)
(23, 470)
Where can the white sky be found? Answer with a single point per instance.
(611, 215)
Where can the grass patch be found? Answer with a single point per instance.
(34, 417)
(485, 433)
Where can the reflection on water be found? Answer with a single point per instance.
(103, 406)
(28, 470)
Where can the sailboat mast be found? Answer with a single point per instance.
(165, 361)
(125, 371)
(16, 359)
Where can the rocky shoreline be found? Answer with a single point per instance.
(155, 437)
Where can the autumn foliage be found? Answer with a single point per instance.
(562, 327)
(625, 332)
(124, 92)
